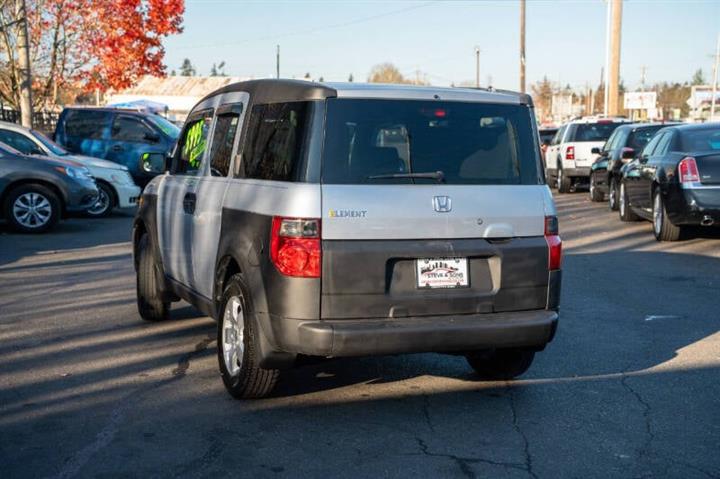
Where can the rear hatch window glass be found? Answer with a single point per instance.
(86, 123)
(701, 140)
(399, 141)
(593, 131)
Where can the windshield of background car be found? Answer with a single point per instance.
(166, 126)
(640, 137)
(49, 144)
(701, 140)
(470, 143)
(593, 131)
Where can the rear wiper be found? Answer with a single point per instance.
(438, 176)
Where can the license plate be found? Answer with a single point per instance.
(442, 273)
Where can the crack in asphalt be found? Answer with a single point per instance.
(464, 463)
(75, 462)
(426, 412)
(526, 443)
(650, 436)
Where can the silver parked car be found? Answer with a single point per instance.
(347, 219)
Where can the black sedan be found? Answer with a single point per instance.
(675, 182)
(624, 145)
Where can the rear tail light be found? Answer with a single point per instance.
(570, 153)
(295, 246)
(688, 171)
(552, 238)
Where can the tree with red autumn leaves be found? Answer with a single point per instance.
(91, 44)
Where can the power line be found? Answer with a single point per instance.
(314, 29)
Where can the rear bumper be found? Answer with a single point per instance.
(367, 337)
(578, 172)
(691, 206)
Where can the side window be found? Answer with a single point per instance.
(226, 126)
(558, 136)
(20, 142)
(274, 141)
(613, 141)
(86, 123)
(650, 147)
(663, 144)
(192, 144)
(127, 128)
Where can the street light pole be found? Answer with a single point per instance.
(606, 70)
(477, 67)
(615, 41)
(522, 46)
(715, 80)
(24, 67)
(277, 62)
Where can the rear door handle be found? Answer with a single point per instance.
(189, 203)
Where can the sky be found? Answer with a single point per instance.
(565, 40)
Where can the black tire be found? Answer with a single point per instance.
(43, 198)
(249, 380)
(613, 194)
(551, 179)
(626, 213)
(595, 195)
(663, 229)
(149, 301)
(563, 182)
(108, 199)
(500, 364)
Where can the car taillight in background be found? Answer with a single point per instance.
(552, 238)
(295, 246)
(570, 153)
(688, 172)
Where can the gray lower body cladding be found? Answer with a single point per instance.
(365, 337)
(377, 279)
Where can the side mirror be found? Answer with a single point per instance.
(628, 153)
(153, 163)
(595, 150)
(643, 159)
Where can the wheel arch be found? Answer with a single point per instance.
(33, 181)
(114, 194)
(227, 266)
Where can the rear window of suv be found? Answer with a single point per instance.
(592, 131)
(470, 143)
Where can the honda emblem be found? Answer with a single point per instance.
(442, 204)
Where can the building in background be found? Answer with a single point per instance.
(178, 93)
(700, 103)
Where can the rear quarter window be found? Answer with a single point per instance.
(470, 143)
(86, 123)
(592, 131)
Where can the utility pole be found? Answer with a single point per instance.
(643, 70)
(24, 66)
(715, 80)
(614, 80)
(522, 46)
(277, 62)
(477, 67)
(606, 68)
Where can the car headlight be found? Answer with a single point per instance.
(79, 173)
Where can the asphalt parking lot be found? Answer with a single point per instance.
(629, 387)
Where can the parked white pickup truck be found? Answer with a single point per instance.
(570, 154)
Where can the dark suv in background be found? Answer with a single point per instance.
(124, 136)
(623, 146)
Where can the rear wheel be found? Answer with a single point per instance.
(238, 346)
(149, 301)
(663, 229)
(613, 195)
(32, 208)
(500, 364)
(595, 194)
(626, 214)
(563, 183)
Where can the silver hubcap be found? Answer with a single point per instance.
(559, 178)
(592, 186)
(32, 210)
(622, 199)
(102, 203)
(233, 331)
(613, 194)
(657, 213)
